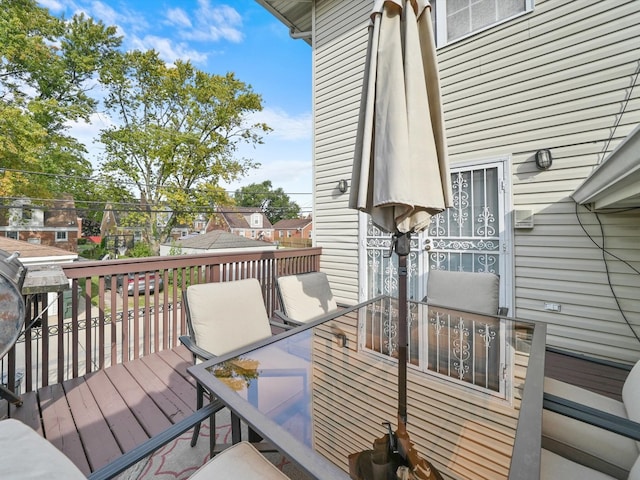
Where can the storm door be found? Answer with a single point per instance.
(470, 236)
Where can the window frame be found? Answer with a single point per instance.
(65, 237)
(440, 22)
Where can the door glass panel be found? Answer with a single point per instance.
(466, 236)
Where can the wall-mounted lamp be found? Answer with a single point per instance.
(543, 159)
(343, 185)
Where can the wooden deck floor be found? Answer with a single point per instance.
(600, 378)
(95, 418)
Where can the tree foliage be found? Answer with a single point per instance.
(177, 134)
(275, 203)
(47, 70)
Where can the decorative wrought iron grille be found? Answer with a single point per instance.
(466, 236)
(464, 347)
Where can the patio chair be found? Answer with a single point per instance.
(304, 297)
(474, 291)
(571, 418)
(25, 454)
(554, 466)
(222, 317)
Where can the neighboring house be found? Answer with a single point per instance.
(32, 255)
(295, 232)
(248, 222)
(117, 234)
(551, 79)
(216, 241)
(45, 222)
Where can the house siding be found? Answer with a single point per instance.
(561, 78)
(340, 44)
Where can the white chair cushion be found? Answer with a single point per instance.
(615, 449)
(227, 315)
(474, 291)
(241, 461)
(26, 455)
(554, 467)
(306, 296)
(631, 393)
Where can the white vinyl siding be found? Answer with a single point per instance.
(556, 79)
(559, 77)
(340, 44)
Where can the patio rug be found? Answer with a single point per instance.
(178, 460)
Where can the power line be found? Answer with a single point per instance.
(127, 182)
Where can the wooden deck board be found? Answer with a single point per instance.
(59, 427)
(175, 382)
(171, 405)
(97, 438)
(125, 427)
(151, 418)
(603, 379)
(28, 413)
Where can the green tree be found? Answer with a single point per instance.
(47, 70)
(275, 203)
(177, 135)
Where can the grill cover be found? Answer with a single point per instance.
(12, 308)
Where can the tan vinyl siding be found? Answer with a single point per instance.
(561, 78)
(458, 421)
(339, 51)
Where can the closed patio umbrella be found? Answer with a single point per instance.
(400, 172)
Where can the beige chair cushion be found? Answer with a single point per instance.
(554, 467)
(576, 435)
(631, 393)
(26, 455)
(227, 315)
(306, 296)
(241, 461)
(474, 291)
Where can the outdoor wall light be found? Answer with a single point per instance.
(543, 159)
(343, 185)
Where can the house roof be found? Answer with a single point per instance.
(615, 183)
(57, 212)
(218, 239)
(238, 217)
(292, 223)
(297, 16)
(34, 251)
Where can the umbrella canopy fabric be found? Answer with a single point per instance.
(400, 173)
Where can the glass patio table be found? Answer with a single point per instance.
(324, 391)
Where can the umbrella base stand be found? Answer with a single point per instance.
(392, 458)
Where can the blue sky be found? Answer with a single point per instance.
(218, 37)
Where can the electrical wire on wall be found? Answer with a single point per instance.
(606, 253)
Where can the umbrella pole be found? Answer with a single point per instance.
(402, 247)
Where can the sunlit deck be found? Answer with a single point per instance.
(95, 418)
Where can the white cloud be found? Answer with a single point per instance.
(177, 16)
(105, 13)
(285, 126)
(88, 134)
(213, 23)
(169, 51)
(52, 5)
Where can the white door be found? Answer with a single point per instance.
(474, 235)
